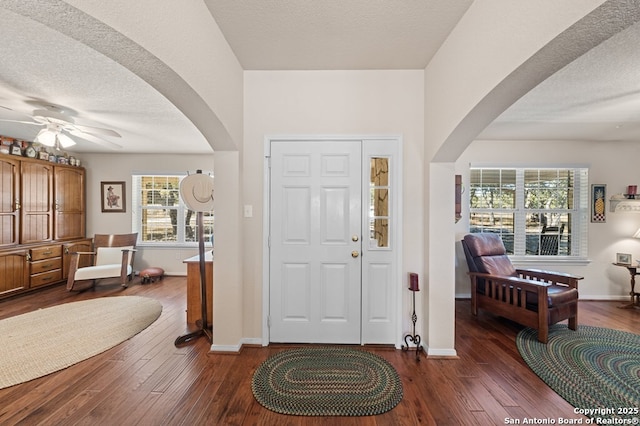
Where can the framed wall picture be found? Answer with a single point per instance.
(113, 197)
(623, 258)
(598, 203)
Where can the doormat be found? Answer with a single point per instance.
(325, 381)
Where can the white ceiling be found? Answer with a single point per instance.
(336, 34)
(595, 98)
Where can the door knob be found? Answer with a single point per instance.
(354, 238)
(355, 254)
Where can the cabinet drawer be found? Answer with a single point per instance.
(46, 278)
(46, 252)
(46, 265)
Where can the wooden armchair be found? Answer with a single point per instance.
(112, 258)
(531, 297)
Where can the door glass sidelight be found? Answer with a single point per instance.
(379, 191)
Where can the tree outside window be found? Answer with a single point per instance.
(537, 212)
(163, 218)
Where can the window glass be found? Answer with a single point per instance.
(379, 202)
(160, 215)
(537, 212)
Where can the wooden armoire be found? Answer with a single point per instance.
(42, 219)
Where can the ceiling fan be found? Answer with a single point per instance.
(57, 126)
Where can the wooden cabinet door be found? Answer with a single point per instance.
(14, 271)
(85, 245)
(69, 220)
(37, 202)
(9, 202)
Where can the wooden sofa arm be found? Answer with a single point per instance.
(552, 277)
(516, 282)
(125, 265)
(74, 262)
(507, 296)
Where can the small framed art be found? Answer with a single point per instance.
(113, 197)
(598, 203)
(623, 259)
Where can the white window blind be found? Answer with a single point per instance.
(539, 211)
(160, 216)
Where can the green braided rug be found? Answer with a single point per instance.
(327, 382)
(592, 368)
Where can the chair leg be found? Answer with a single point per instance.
(573, 323)
(474, 298)
(543, 334)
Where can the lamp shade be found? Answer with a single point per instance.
(65, 140)
(46, 137)
(53, 137)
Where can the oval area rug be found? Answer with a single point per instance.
(41, 342)
(327, 382)
(595, 369)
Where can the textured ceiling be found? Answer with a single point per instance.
(42, 67)
(594, 98)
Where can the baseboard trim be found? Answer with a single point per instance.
(441, 353)
(235, 349)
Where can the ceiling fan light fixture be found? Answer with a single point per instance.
(46, 137)
(65, 140)
(54, 138)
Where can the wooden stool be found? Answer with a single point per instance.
(151, 274)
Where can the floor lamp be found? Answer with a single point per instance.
(197, 193)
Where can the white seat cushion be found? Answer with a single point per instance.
(100, 271)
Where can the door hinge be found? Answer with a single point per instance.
(268, 161)
(268, 321)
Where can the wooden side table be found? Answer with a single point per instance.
(194, 304)
(635, 297)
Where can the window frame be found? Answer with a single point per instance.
(579, 213)
(137, 211)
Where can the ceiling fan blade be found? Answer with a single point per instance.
(95, 139)
(96, 131)
(21, 122)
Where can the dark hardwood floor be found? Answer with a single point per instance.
(148, 381)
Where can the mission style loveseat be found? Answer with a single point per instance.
(531, 297)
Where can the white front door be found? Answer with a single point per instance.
(333, 241)
(315, 242)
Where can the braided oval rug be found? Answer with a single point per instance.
(592, 368)
(326, 381)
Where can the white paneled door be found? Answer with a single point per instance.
(321, 220)
(315, 275)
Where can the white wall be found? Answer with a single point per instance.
(614, 164)
(117, 167)
(330, 103)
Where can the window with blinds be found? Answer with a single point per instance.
(159, 215)
(536, 211)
